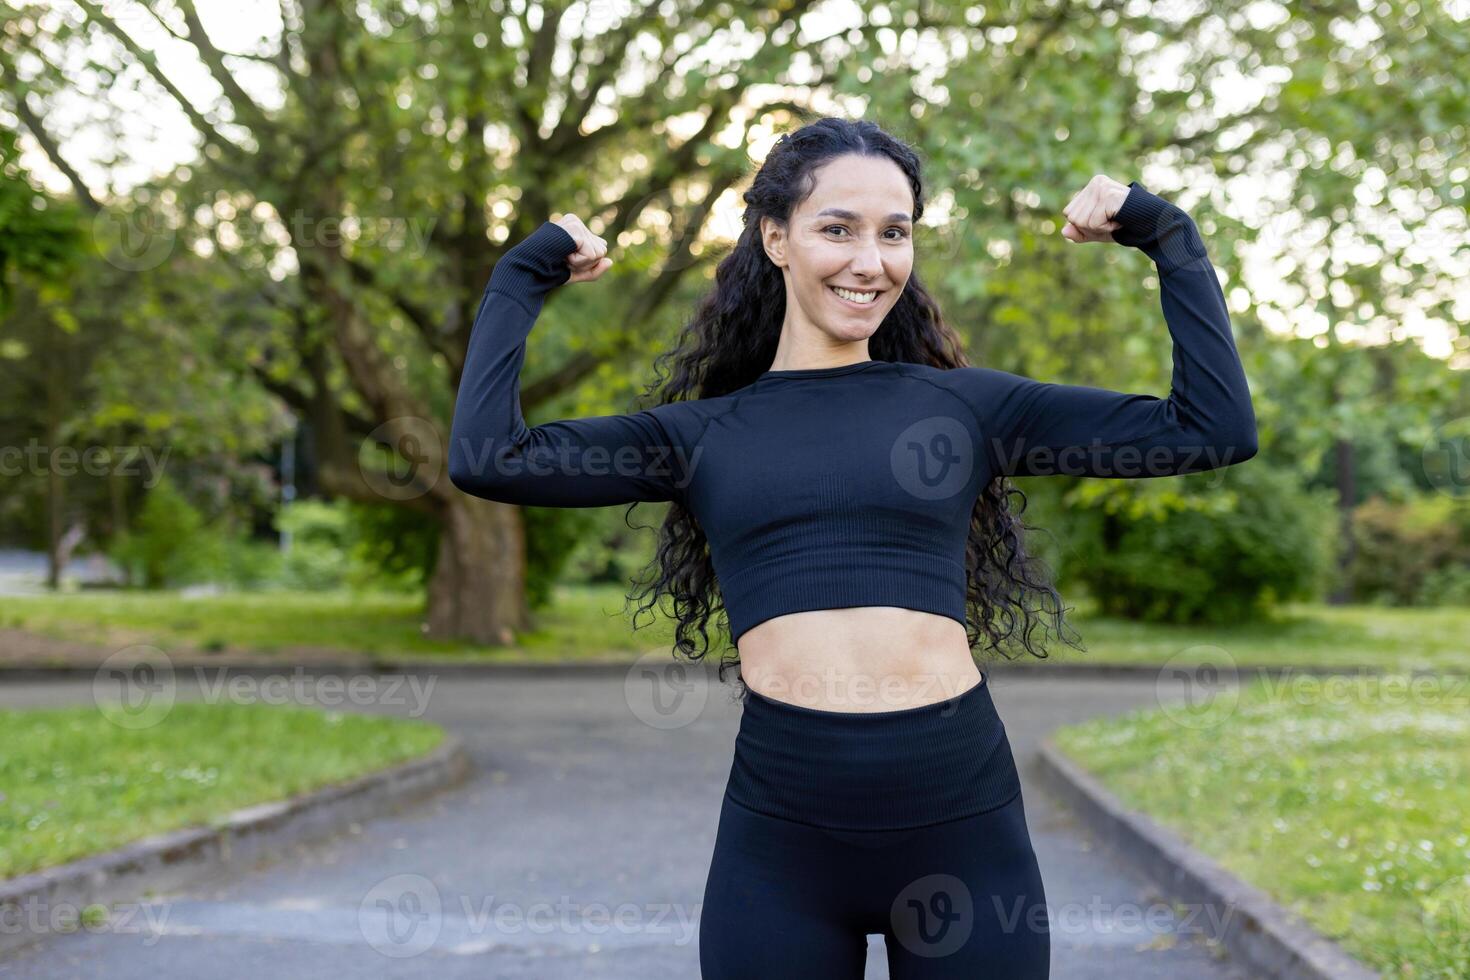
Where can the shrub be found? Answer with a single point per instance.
(348, 543)
(320, 536)
(164, 546)
(552, 536)
(395, 547)
(231, 559)
(1214, 547)
(1415, 552)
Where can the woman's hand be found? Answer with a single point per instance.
(1090, 212)
(590, 259)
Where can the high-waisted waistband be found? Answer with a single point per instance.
(884, 770)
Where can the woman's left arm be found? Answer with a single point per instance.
(1034, 428)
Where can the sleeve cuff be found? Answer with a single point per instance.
(1159, 228)
(536, 265)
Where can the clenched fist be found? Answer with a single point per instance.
(590, 258)
(1090, 212)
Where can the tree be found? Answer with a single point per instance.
(446, 120)
(469, 121)
(41, 241)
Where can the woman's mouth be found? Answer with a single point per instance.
(856, 298)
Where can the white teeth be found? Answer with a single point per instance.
(855, 297)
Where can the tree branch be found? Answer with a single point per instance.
(33, 123)
(150, 64)
(214, 59)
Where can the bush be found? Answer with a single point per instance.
(1214, 547)
(235, 560)
(552, 536)
(608, 551)
(393, 547)
(332, 545)
(347, 543)
(1446, 587)
(317, 557)
(164, 547)
(1412, 553)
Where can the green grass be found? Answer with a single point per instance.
(589, 622)
(73, 783)
(1347, 806)
(1302, 634)
(581, 622)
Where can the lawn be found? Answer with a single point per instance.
(582, 622)
(73, 782)
(588, 622)
(1345, 802)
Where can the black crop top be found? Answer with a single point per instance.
(823, 488)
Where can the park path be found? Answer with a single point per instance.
(593, 828)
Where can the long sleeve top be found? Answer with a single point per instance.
(851, 485)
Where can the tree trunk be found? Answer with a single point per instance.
(1347, 499)
(478, 590)
(55, 485)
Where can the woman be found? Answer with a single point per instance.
(838, 484)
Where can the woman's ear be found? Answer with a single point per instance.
(773, 239)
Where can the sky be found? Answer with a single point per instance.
(158, 136)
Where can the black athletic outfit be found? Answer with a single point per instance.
(846, 486)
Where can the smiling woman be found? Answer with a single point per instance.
(844, 264)
(836, 475)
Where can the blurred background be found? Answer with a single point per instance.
(242, 245)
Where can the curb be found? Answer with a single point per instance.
(525, 668)
(615, 667)
(50, 900)
(1268, 937)
(1244, 672)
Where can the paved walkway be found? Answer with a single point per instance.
(578, 849)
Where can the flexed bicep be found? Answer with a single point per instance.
(584, 462)
(1035, 428)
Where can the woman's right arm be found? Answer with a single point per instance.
(586, 462)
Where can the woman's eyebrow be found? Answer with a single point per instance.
(851, 216)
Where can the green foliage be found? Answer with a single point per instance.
(1411, 553)
(235, 561)
(396, 547)
(163, 546)
(609, 551)
(552, 533)
(1184, 551)
(40, 236)
(1449, 586)
(340, 544)
(320, 542)
(333, 545)
(1014, 112)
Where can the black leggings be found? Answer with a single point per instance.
(839, 824)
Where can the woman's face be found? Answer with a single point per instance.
(853, 232)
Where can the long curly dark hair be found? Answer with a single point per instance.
(731, 340)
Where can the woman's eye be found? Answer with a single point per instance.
(902, 233)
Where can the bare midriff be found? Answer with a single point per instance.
(862, 658)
